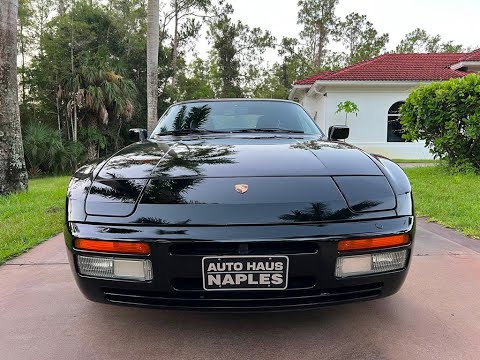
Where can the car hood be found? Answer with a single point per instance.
(237, 157)
(196, 182)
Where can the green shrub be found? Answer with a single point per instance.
(47, 153)
(447, 116)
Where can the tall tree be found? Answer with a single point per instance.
(184, 13)
(319, 25)
(195, 83)
(278, 79)
(237, 51)
(130, 17)
(419, 41)
(153, 42)
(13, 174)
(223, 34)
(106, 58)
(360, 38)
(42, 14)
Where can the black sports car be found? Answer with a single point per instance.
(239, 204)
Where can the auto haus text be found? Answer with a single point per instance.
(248, 273)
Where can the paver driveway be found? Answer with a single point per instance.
(436, 315)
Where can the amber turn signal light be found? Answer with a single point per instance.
(374, 243)
(121, 247)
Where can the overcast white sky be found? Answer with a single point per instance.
(457, 20)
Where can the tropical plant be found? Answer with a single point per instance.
(96, 94)
(100, 90)
(94, 140)
(46, 152)
(348, 107)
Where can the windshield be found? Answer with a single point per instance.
(236, 116)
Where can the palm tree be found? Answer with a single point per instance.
(98, 94)
(13, 173)
(152, 62)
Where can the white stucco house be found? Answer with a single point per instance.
(379, 86)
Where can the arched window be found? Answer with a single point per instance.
(395, 130)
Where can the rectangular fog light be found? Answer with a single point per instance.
(115, 268)
(370, 264)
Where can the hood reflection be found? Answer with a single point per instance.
(191, 160)
(320, 212)
(121, 190)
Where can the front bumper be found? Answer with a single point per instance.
(176, 255)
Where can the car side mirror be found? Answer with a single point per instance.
(338, 132)
(137, 134)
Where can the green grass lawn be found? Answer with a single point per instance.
(451, 200)
(410, 161)
(27, 219)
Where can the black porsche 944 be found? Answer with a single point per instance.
(239, 205)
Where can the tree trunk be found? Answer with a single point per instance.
(22, 49)
(152, 62)
(13, 174)
(120, 123)
(175, 49)
(75, 122)
(320, 55)
(72, 64)
(91, 151)
(57, 98)
(59, 121)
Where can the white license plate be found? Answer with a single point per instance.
(245, 272)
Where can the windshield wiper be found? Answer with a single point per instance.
(188, 131)
(270, 130)
(250, 130)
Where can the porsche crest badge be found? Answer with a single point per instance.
(241, 188)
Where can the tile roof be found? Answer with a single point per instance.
(473, 56)
(399, 67)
